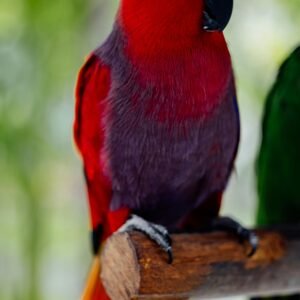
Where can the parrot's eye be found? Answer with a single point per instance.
(217, 14)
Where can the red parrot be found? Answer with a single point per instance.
(157, 123)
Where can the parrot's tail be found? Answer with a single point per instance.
(94, 289)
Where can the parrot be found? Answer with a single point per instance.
(278, 160)
(157, 125)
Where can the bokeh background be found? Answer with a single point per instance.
(44, 241)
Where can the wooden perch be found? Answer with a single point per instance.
(205, 265)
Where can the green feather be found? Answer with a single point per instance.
(278, 163)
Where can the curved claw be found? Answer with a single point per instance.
(170, 255)
(164, 232)
(253, 241)
(244, 234)
(157, 233)
(169, 240)
(249, 236)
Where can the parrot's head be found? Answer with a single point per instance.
(158, 22)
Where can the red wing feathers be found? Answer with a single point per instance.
(92, 89)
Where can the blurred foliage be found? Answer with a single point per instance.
(38, 58)
(44, 250)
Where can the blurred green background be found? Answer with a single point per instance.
(44, 241)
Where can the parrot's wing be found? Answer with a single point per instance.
(92, 90)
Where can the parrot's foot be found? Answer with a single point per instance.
(155, 232)
(244, 234)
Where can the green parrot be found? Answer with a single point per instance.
(278, 163)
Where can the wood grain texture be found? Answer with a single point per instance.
(205, 265)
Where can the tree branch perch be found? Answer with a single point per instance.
(205, 265)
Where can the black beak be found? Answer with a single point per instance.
(217, 14)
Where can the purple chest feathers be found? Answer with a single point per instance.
(162, 168)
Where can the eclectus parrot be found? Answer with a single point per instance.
(157, 123)
(278, 162)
